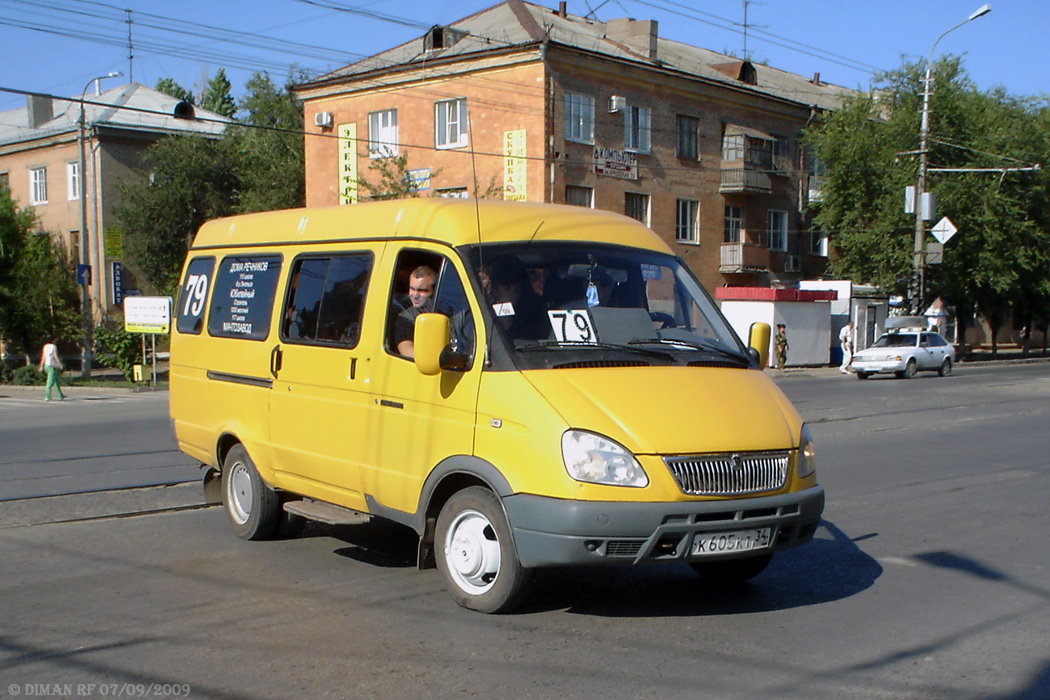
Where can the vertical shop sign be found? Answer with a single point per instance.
(515, 166)
(347, 163)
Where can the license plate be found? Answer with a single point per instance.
(716, 543)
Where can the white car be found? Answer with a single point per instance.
(905, 350)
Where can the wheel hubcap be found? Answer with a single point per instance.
(472, 552)
(240, 492)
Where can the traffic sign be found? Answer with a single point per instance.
(944, 229)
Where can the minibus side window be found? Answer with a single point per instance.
(447, 297)
(325, 300)
(242, 303)
(193, 295)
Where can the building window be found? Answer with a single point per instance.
(450, 123)
(636, 129)
(74, 246)
(818, 242)
(687, 139)
(382, 134)
(579, 196)
(5, 183)
(452, 193)
(579, 118)
(781, 159)
(73, 179)
(733, 147)
(776, 229)
(38, 186)
(734, 224)
(686, 221)
(636, 206)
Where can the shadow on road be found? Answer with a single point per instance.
(831, 567)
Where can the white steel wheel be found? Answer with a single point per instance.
(476, 556)
(252, 507)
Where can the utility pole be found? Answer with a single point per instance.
(85, 277)
(917, 288)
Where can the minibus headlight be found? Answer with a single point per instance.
(599, 460)
(806, 461)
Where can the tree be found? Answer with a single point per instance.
(270, 164)
(170, 87)
(191, 180)
(998, 262)
(394, 180)
(216, 95)
(38, 291)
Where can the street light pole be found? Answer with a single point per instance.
(85, 240)
(918, 281)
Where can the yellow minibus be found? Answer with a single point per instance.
(522, 385)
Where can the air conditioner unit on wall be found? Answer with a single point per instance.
(323, 120)
(617, 104)
(792, 263)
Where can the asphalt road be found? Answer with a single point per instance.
(929, 579)
(97, 439)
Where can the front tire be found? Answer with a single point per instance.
(910, 370)
(476, 555)
(862, 375)
(252, 507)
(731, 571)
(946, 367)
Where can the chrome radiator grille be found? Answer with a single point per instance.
(730, 474)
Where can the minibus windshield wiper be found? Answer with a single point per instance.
(703, 347)
(578, 345)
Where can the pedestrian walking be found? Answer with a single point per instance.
(780, 345)
(51, 364)
(846, 343)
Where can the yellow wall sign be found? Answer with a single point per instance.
(114, 238)
(515, 166)
(347, 178)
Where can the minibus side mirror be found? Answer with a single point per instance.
(758, 343)
(430, 338)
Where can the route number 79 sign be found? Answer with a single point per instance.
(572, 326)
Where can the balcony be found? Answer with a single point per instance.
(742, 257)
(740, 180)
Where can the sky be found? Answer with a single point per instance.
(58, 46)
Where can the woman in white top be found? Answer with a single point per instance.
(51, 363)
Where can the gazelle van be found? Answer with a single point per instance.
(573, 395)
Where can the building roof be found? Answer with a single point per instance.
(131, 107)
(515, 24)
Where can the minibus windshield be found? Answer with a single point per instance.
(550, 299)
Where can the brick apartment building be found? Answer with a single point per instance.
(40, 163)
(530, 103)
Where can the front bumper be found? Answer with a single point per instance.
(878, 367)
(553, 532)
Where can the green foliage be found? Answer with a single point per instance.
(257, 165)
(38, 290)
(28, 376)
(216, 96)
(393, 181)
(268, 150)
(118, 349)
(1000, 259)
(192, 181)
(170, 87)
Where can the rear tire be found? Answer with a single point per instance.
(252, 507)
(732, 570)
(946, 367)
(476, 554)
